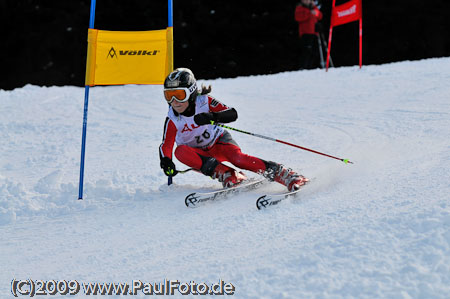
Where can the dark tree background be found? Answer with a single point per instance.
(44, 41)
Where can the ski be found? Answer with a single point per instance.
(268, 200)
(198, 198)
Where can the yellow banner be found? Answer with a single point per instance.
(129, 57)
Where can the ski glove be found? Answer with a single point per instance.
(225, 116)
(168, 167)
(204, 118)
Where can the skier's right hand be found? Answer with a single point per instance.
(168, 167)
(204, 118)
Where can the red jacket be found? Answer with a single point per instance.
(307, 19)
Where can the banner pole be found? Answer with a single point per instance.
(360, 42)
(329, 47)
(170, 6)
(329, 35)
(85, 113)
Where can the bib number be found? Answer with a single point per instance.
(205, 135)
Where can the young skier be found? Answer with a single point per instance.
(203, 146)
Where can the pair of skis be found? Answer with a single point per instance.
(263, 202)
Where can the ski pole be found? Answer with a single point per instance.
(322, 62)
(169, 179)
(346, 161)
(326, 46)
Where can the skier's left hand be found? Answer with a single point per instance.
(204, 118)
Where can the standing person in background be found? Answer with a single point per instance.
(307, 15)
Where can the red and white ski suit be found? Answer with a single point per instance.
(195, 142)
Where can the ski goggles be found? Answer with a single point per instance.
(180, 94)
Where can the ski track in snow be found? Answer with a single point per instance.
(379, 228)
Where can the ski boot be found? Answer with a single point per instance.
(285, 176)
(228, 176)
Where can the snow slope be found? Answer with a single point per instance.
(379, 228)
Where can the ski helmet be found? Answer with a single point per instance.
(182, 78)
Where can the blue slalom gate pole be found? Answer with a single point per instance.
(170, 6)
(85, 113)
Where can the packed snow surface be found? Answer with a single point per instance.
(378, 228)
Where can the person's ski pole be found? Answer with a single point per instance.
(169, 179)
(322, 61)
(346, 161)
(324, 41)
